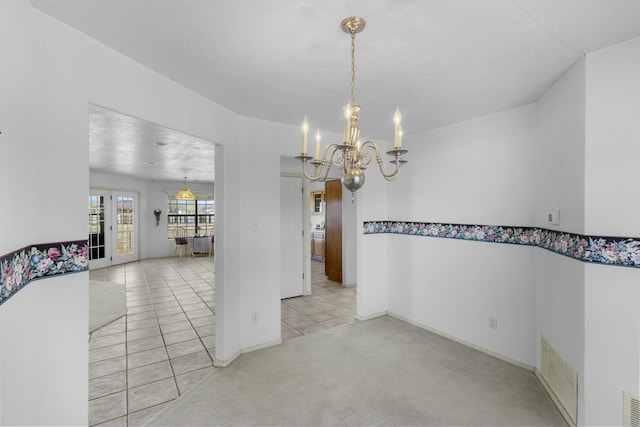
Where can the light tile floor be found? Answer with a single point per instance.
(329, 305)
(165, 344)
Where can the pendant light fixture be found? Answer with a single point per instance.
(185, 193)
(351, 154)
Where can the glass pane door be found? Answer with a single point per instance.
(113, 228)
(99, 237)
(125, 232)
(125, 224)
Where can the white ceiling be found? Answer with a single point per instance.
(441, 61)
(124, 145)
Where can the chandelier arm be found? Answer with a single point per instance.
(364, 158)
(388, 176)
(327, 165)
(310, 177)
(323, 166)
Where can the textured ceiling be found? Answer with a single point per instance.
(441, 61)
(123, 145)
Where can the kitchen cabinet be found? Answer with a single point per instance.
(317, 202)
(317, 245)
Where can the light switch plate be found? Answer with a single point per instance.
(553, 217)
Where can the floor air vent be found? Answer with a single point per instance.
(561, 378)
(631, 410)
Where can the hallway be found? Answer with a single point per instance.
(329, 305)
(165, 344)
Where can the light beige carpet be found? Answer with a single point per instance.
(381, 372)
(107, 302)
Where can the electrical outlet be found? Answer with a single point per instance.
(254, 317)
(493, 322)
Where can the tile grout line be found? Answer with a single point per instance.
(173, 372)
(126, 353)
(190, 320)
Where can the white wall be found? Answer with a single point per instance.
(14, 25)
(612, 149)
(559, 160)
(259, 219)
(50, 74)
(371, 205)
(612, 350)
(475, 172)
(612, 325)
(44, 354)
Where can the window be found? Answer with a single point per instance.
(195, 216)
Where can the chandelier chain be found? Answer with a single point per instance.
(353, 67)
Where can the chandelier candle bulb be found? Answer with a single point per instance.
(397, 119)
(318, 144)
(305, 131)
(347, 120)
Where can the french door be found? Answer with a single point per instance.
(113, 228)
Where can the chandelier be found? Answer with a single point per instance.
(351, 154)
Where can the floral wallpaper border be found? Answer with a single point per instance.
(618, 251)
(40, 261)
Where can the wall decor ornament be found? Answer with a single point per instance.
(40, 261)
(617, 251)
(157, 213)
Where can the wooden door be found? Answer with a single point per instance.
(333, 231)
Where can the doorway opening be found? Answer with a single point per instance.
(327, 301)
(166, 329)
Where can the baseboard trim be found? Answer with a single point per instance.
(219, 363)
(261, 346)
(223, 363)
(553, 396)
(372, 316)
(463, 342)
(507, 359)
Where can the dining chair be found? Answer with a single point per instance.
(181, 242)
